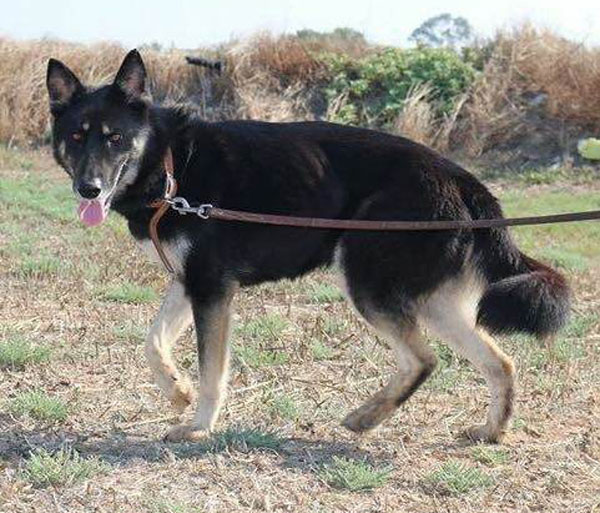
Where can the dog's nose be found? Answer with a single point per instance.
(88, 190)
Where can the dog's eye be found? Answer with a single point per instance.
(77, 136)
(115, 137)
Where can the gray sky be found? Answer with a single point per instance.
(189, 23)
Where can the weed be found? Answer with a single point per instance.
(321, 351)
(37, 405)
(255, 356)
(265, 328)
(456, 478)
(489, 456)
(354, 475)
(17, 352)
(325, 293)
(41, 266)
(64, 467)
(127, 292)
(245, 440)
(284, 407)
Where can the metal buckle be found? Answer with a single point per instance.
(204, 211)
(180, 205)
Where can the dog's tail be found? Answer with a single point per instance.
(535, 299)
(523, 295)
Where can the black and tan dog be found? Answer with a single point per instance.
(112, 140)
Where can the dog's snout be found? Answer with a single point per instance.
(88, 190)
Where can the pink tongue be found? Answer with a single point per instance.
(91, 212)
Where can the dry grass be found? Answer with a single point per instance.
(281, 79)
(279, 445)
(527, 63)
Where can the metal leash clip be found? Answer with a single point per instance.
(182, 206)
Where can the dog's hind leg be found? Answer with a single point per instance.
(415, 363)
(451, 314)
(212, 330)
(174, 317)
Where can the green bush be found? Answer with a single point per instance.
(376, 86)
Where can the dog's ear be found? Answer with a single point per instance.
(62, 85)
(131, 77)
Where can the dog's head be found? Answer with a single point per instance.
(99, 135)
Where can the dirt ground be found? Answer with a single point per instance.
(77, 303)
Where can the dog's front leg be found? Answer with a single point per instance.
(212, 329)
(174, 317)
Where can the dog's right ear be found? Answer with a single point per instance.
(62, 85)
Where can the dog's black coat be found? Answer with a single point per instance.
(318, 169)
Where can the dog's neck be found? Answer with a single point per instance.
(148, 183)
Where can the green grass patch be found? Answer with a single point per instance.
(457, 478)
(62, 468)
(266, 328)
(324, 293)
(490, 456)
(37, 405)
(354, 475)
(321, 351)
(565, 259)
(574, 245)
(245, 440)
(129, 331)
(40, 266)
(284, 407)
(34, 196)
(16, 353)
(128, 292)
(165, 506)
(256, 356)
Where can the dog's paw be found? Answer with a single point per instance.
(368, 416)
(182, 394)
(186, 433)
(483, 433)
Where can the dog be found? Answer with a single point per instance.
(463, 285)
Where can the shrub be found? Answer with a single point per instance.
(371, 91)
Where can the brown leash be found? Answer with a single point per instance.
(207, 211)
(161, 206)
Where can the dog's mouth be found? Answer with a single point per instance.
(93, 212)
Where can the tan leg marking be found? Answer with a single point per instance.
(415, 363)
(212, 326)
(451, 313)
(174, 317)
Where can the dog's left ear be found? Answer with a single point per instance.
(131, 77)
(63, 86)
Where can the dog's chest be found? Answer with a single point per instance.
(175, 250)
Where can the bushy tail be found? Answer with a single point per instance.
(523, 294)
(535, 300)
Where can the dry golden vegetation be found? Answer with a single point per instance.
(532, 92)
(81, 422)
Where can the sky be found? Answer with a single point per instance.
(193, 23)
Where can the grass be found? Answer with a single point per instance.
(130, 293)
(457, 478)
(38, 405)
(489, 456)
(16, 353)
(245, 440)
(321, 351)
(284, 407)
(41, 267)
(255, 356)
(354, 475)
(267, 328)
(61, 468)
(310, 363)
(325, 293)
